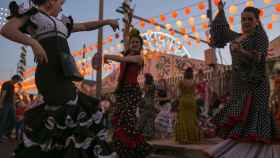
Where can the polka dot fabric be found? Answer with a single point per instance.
(247, 116)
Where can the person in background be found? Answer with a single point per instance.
(147, 111)
(186, 128)
(7, 109)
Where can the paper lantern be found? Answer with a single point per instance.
(233, 9)
(158, 28)
(183, 30)
(189, 43)
(187, 10)
(231, 19)
(216, 2)
(172, 32)
(179, 23)
(277, 7)
(204, 26)
(174, 14)
(142, 24)
(191, 21)
(193, 29)
(269, 26)
(177, 40)
(203, 17)
(186, 38)
(197, 37)
(162, 18)
(250, 3)
(262, 12)
(274, 17)
(201, 6)
(180, 46)
(152, 20)
(267, 1)
(168, 26)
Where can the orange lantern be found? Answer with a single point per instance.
(142, 24)
(193, 29)
(201, 6)
(269, 26)
(191, 21)
(186, 37)
(277, 7)
(172, 32)
(231, 19)
(190, 43)
(174, 14)
(204, 26)
(216, 2)
(183, 30)
(187, 10)
(162, 18)
(262, 12)
(267, 1)
(233, 9)
(274, 17)
(152, 20)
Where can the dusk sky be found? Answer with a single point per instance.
(83, 10)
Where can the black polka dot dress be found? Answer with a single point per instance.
(128, 141)
(247, 116)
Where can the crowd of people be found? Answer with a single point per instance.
(67, 122)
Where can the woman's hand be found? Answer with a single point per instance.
(40, 55)
(221, 5)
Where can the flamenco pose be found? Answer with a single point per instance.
(128, 142)
(246, 122)
(68, 123)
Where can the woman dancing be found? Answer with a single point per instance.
(67, 124)
(128, 142)
(246, 122)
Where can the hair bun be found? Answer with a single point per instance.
(14, 8)
(134, 32)
(38, 2)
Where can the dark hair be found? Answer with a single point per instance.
(16, 78)
(149, 80)
(188, 74)
(253, 10)
(39, 2)
(14, 9)
(135, 33)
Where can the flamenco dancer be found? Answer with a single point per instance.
(127, 141)
(245, 123)
(68, 123)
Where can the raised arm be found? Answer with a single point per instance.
(220, 31)
(130, 59)
(92, 25)
(11, 30)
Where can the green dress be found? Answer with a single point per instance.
(186, 128)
